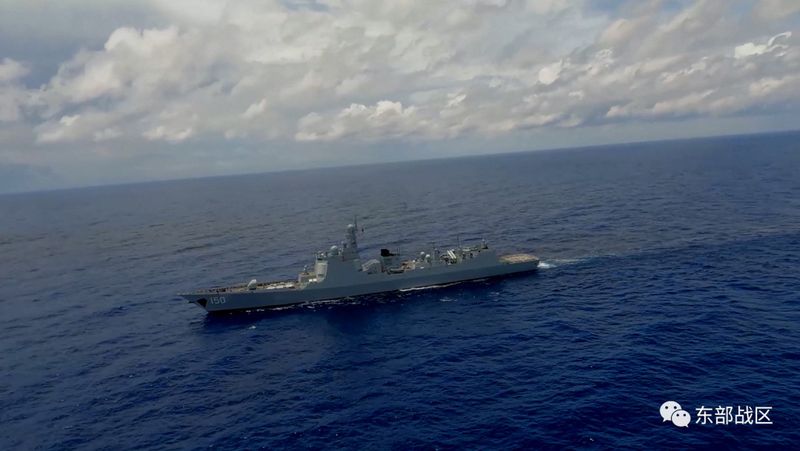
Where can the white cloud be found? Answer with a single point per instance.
(264, 72)
(62, 130)
(107, 134)
(383, 120)
(172, 135)
(255, 109)
(12, 93)
(688, 104)
(11, 70)
(549, 74)
(774, 44)
(322, 75)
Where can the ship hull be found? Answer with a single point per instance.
(213, 301)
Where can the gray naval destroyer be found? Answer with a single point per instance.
(340, 273)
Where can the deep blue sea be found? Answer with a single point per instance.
(671, 271)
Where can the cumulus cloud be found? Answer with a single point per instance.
(360, 70)
(172, 135)
(255, 109)
(11, 70)
(369, 71)
(12, 93)
(775, 44)
(384, 120)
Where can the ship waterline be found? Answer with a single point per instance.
(340, 273)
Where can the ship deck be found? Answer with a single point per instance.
(518, 258)
(261, 286)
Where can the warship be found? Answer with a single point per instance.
(340, 273)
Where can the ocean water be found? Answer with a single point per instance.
(671, 271)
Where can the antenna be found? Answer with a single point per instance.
(355, 223)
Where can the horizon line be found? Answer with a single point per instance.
(401, 161)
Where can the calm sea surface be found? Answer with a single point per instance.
(671, 271)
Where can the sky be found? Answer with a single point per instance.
(97, 92)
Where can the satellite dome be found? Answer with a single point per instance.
(334, 249)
